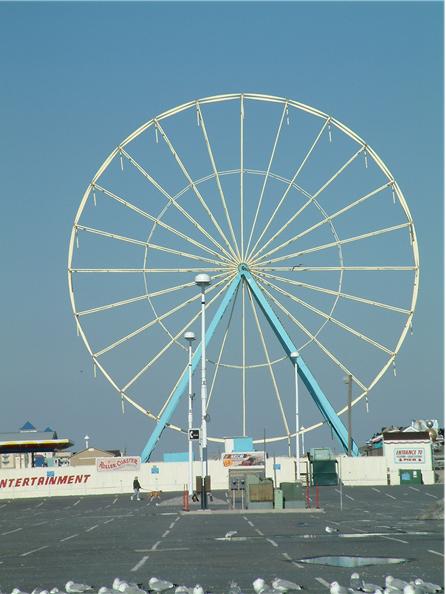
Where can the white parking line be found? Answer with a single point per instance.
(413, 489)
(391, 496)
(287, 557)
(68, 537)
(76, 503)
(140, 563)
(376, 490)
(39, 504)
(165, 534)
(429, 495)
(114, 500)
(273, 542)
(4, 505)
(155, 546)
(172, 525)
(161, 550)
(297, 564)
(11, 531)
(110, 520)
(92, 528)
(259, 532)
(348, 496)
(395, 539)
(250, 523)
(322, 581)
(34, 551)
(40, 523)
(435, 552)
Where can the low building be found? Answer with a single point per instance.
(30, 447)
(88, 456)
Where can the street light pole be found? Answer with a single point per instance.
(294, 356)
(203, 281)
(348, 379)
(190, 337)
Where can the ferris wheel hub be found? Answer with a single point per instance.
(243, 267)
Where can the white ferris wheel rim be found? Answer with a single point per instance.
(287, 103)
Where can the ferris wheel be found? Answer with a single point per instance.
(307, 238)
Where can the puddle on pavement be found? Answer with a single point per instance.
(345, 561)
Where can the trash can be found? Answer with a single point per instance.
(278, 499)
(410, 477)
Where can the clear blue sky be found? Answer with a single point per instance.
(79, 77)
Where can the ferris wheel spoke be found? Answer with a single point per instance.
(121, 394)
(336, 293)
(144, 297)
(220, 354)
(158, 221)
(313, 197)
(327, 219)
(242, 222)
(337, 243)
(177, 336)
(270, 367)
(154, 321)
(290, 185)
(146, 244)
(148, 270)
(313, 338)
(265, 180)
(217, 178)
(173, 202)
(300, 268)
(196, 191)
(330, 318)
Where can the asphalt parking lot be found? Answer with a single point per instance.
(46, 542)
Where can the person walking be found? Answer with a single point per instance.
(136, 489)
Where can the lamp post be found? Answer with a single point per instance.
(190, 337)
(294, 356)
(203, 281)
(348, 379)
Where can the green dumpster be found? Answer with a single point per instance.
(324, 472)
(293, 495)
(410, 477)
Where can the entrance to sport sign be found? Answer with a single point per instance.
(345, 561)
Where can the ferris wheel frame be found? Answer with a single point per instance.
(243, 275)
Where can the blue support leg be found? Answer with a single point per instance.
(305, 374)
(183, 383)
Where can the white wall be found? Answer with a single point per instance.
(367, 470)
(173, 476)
(86, 480)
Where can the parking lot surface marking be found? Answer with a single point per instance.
(11, 531)
(68, 537)
(34, 551)
(435, 552)
(140, 563)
